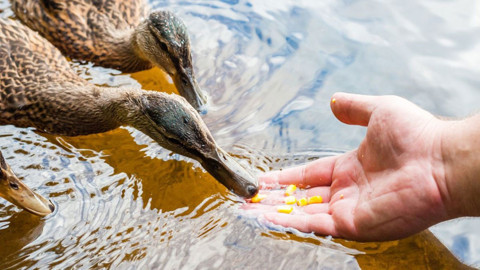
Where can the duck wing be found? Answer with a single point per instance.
(82, 29)
(30, 68)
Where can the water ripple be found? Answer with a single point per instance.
(269, 68)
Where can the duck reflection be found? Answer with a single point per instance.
(19, 230)
(165, 184)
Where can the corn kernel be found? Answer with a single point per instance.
(258, 198)
(341, 196)
(290, 190)
(315, 199)
(286, 209)
(290, 200)
(302, 202)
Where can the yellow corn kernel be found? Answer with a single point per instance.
(290, 200)
(258, 198)
(290, 190)
(315, 199)
(341, 196)
(286, 209)
(302, 202)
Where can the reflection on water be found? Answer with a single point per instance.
(269, 68)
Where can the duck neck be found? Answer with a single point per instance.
(123, 52)
(73, 108)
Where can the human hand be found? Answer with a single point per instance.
(392, 186)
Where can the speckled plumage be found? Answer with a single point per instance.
(117, 34)
(39, 89)
(33, 72)
(93, 30)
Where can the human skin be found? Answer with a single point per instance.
(411, 171)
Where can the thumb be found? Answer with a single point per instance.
(353, 109)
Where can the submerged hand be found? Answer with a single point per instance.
(392, 186)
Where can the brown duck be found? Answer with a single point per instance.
(39, 89)
(16, 192)
(117, 34)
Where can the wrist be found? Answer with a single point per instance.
(460, 147)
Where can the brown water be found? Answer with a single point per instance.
(269, 68)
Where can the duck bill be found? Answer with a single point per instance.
(231, 174)
(188, 88)
(25, 198)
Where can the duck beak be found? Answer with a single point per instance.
(25, 198)
(187, 86)
(231, 174)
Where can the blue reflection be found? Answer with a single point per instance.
(461, 247)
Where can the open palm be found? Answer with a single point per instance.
(386, 189)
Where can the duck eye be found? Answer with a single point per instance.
(216, 167)
(163, 46)
(14, 185)
(184, 80)
(173, 141)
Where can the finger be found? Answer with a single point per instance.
(278, 196)
(321, 223)
(256, 208)
(353, 109)
(316, 173)
(315, 208)
(259, 207)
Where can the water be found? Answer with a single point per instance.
(270, 69)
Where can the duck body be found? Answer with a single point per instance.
(39, 89)
(117, 34)
(94, 31)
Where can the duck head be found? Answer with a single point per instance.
(175, 125)
(163, 39)
(16, 192)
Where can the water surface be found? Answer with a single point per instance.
(270, 68)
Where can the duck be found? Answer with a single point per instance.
(39, 89)
(18, 193)
(117, 34)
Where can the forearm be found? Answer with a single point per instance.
(461, 156)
